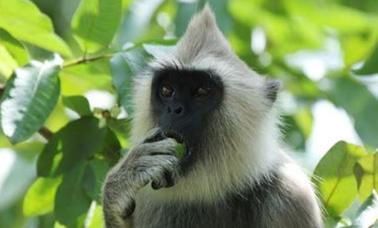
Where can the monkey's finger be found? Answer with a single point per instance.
(154, 135)
(166, 180)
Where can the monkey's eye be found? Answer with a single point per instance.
(202, 92)
(166, 91)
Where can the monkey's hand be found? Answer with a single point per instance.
(153, 162)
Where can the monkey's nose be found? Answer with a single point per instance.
(176, 110)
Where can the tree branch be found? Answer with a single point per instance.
(85, 59)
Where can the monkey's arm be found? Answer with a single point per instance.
(148, 162)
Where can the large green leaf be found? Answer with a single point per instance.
(23, 20)
(71, 147)
(334, 176)
(360, 104)
(40, 196)
(95, 23)
(71, 201)
(78, 147)
(367, 175)
(29, 97)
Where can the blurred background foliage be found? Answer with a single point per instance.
(66, 68)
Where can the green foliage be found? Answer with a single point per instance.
(23, 20)
(104, 44)
(28, 99)
(337, 184)
(79, 104)
(95, 23)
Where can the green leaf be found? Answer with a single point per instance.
(124, 66)
(79, 104)
(97, 219)
(14, 47)
(22, 19)
(367, 214)
(368, 177)
(7, 63)
(334, 176)
(360, 103)
(127, 64)
(79, 147)
(29, 97)
(94, 176)
(71, 201)
(95, 22)
(185, 11)
(50, 157)
(121, 127)
(71, 147)
(40, 197)
(370, 66)
(136, 21)
(78, 79)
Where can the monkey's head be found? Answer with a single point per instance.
(203, 95)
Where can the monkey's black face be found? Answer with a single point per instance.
(182, 102)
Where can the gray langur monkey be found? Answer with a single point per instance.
(233, 173)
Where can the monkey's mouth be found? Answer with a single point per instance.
(174, 135)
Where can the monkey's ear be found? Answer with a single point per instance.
(272, 87)
(202, 37)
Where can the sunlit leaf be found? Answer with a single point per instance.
(7, 63)
(40, 196)
(29, 97)
(23, 20)
(14, 47)
(334, 176)
(368, 175)
(95, 22)
(78, 79)
(97, 219)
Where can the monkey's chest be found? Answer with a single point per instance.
(236, 213)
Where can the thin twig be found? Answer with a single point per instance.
(87, 59)
(46, 133)
(2, 89)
